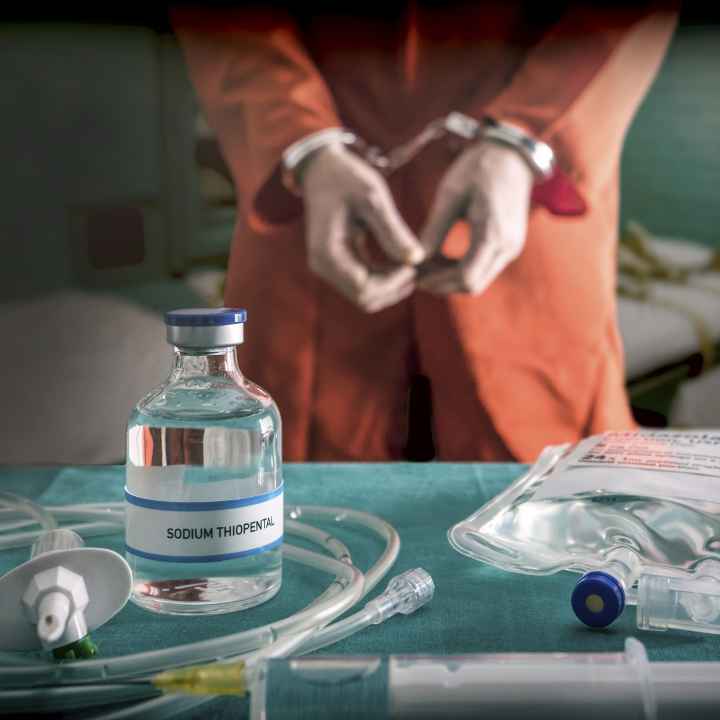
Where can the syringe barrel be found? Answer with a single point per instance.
(537, 685)
(542, 687)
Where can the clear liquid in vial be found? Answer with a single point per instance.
(205, 440)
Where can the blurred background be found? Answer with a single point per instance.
(115, 207)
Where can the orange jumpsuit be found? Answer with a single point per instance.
(537, 358)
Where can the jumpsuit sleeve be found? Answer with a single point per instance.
(260, 92)
(579, 88)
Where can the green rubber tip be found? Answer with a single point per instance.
(78, 650)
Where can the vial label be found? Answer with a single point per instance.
(697, 453)
(644, 463)
(203, 531)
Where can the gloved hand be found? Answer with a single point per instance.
(344, 196)
(489, 185)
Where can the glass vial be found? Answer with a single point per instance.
(204, 489)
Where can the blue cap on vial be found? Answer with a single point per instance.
(598, 599)
(205, 317)
(205, 327)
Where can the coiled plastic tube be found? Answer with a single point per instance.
(349, 578)
(405, 594)
(349, 586)
(97, 520)
(28, 507)
(341, 516)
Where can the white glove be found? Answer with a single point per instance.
(489, 185)
(343, 196)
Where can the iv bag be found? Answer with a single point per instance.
(649, 495)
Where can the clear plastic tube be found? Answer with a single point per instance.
(337, 549)
(74, 697)
(171, 706)
(339, 631)
(11, 658)
(157, 708)
(27, 506)
(17, 524)
(150, 662)
(274, 640)
(405, 594)
(22, 539)
(689, 602)
(623, 563)
(348, 587)
(141, 664)
(97, 520)
(74, 512)
(9, 517)
(116, 511)
(342, 516)
(71, 697)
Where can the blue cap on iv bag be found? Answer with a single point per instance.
(205, 327)
(598, 599)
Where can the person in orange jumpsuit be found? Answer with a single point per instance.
(526, 354)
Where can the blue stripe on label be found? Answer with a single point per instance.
(200, 506)
(203, 558)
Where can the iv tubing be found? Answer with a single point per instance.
(33, 509)
(170, 706)
(404, 594)
(338, 631)
(349, 586)
(139, 664)
(106, 519)
(22, 539)
(356, 517)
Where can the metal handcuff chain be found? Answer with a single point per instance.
(455, 125)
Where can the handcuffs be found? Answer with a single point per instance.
(538, 155)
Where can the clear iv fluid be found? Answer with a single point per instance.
(547, 535)
(204, 490)
(638, 513)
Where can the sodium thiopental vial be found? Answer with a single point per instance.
(204, 489)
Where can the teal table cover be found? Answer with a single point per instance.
(476, 608)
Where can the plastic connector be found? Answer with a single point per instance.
(56, 597)
(691, 604)
(404, 594)
(209, 679)
(63, 591)
(55, 602)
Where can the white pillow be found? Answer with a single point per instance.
(72, 366)
(697, 402)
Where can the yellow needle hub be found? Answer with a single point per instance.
(210, 679)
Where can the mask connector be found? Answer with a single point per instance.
(65, 590)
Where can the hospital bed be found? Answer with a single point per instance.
(669, 316)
